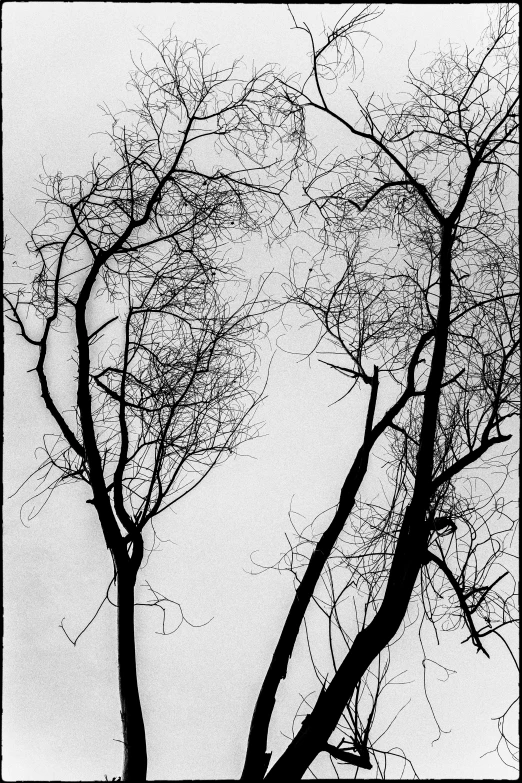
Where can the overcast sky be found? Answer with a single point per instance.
(61, 710)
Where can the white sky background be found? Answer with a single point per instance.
(61, 709)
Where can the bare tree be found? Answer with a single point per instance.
(415, 290)
(134, 282)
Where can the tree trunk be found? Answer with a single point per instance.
(408, 558)
(257, 758)
(134, 743)
(322, 721)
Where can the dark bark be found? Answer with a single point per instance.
(321, 722)
(257, 759)
(349, 758)
(133, 729)
(134, 740)
(407, 561)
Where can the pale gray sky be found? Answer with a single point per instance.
(61, 711)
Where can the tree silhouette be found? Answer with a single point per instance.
(133, 280)
(415, 291)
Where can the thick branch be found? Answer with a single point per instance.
(462, 601)
(348, 758)
(467, 460)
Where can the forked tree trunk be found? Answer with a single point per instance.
(257, 758)
(322, 721)
(408, 558)
(134, 742)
